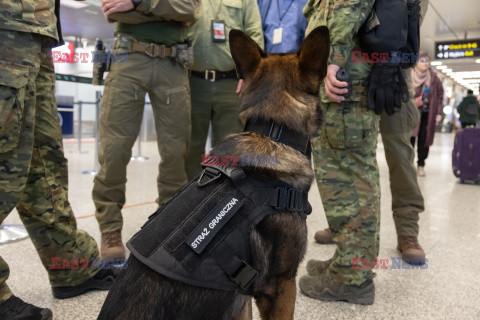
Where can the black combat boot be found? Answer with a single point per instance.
(16, 309)
(103, 280)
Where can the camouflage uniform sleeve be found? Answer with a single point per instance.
(252, 22)
(343, 18)
(308, 10)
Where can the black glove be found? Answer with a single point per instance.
(387, 88)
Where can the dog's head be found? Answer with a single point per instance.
(282, 87)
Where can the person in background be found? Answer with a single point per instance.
(33, 171)
(283, 24)
(428, 98)
(152, 66)
(213, 81)
(469, 110)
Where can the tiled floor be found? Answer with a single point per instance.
(449, 232)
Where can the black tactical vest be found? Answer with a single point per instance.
(202, 236)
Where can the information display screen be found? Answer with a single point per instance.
(457, 49)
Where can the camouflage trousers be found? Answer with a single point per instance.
(347, 176)
(33, 171)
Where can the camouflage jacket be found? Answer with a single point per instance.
(344, 19)
(33, 16)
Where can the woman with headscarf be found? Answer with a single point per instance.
(428, 97)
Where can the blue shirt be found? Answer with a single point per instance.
(290, 18)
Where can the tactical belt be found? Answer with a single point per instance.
(214, 75)
(278, 132)
(150, 49)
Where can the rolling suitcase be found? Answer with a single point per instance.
(466, 154)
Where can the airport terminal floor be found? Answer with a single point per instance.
(447, 287)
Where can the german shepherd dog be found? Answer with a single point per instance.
(279, 87)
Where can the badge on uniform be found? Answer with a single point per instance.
(277, 35)
(218, 31)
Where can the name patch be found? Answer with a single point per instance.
(213, 223)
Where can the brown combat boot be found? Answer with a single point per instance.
(324, 236)
(112, 246)
(411, 250)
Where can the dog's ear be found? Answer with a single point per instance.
(246, 53)
(313, 57)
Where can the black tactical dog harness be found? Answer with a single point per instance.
(202, 235)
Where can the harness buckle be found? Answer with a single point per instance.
(244, 276)
(275, 131)
(210, 174)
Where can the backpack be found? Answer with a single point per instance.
(472, 109)
(393, 27)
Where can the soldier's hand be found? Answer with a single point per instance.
(112, 6)
(333, 87)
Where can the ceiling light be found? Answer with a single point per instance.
(477, 61)
(441, 67)
(447, 109)
(438, 63)
(74, 4)
(447, 70)
(469, 74)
